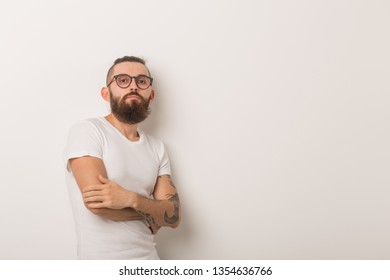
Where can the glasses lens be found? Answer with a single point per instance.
(123, 81)
(143, 82)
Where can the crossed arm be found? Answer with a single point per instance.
(107, 199)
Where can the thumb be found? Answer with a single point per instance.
(102, 179)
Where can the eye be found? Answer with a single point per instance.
(143, 81)
(123, 79)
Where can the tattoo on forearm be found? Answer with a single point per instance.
(169, 220)
(174, 199)
(147, 216)
(175, 217)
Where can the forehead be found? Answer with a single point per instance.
(130, 68)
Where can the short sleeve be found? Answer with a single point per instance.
(164, 167)
(84, 139)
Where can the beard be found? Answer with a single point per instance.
(130, 113)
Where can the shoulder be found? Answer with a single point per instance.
(151, 140)
(88, 128)
(156, 144)
(88, 124)
(84, 138)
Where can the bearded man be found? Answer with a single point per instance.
(118, 176)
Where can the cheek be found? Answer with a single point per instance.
(118, 97)
(149, 96)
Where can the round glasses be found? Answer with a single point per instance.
(124, 81)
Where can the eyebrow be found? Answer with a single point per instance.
(143, 75)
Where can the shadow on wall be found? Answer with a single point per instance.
(173, 244)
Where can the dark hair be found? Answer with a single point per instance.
(125, 59)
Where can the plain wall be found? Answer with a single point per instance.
(275, 115)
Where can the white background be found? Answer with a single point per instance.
(275, 115)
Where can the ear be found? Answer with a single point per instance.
(152, 96)
(105, 94)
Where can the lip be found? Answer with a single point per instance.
(132, 97)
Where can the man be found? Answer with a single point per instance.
(118, 176)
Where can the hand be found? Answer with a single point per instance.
(107, 195)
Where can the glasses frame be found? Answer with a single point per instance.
(131, 80)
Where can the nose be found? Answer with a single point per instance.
(133, 85)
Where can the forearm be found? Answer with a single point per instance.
(163, 210)
(162, 213)
(125, 214)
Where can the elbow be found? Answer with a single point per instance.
(175, 224)
(173, 221)
(178, 219)
(96, 211)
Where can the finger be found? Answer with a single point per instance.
(93, 188)
(102, 179)
(94, 205)
(94, 199)
(92, 193)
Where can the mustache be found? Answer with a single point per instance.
(132, 93)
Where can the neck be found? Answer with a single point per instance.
(128, 130)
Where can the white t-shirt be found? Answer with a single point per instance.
(134, 166)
